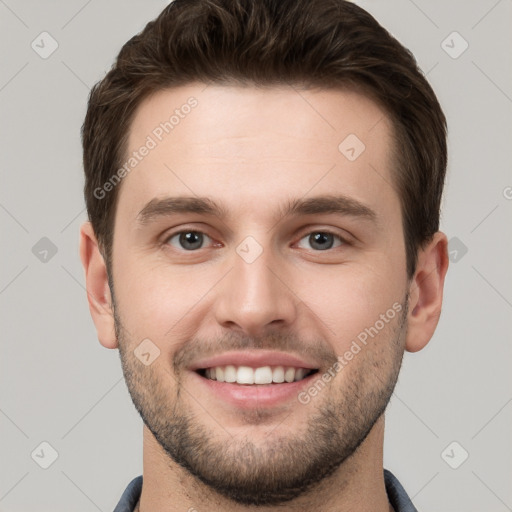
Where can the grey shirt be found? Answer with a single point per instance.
(396, 495)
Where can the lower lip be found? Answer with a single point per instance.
(256, 395)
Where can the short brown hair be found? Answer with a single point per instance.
(307, 43)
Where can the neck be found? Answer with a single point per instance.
(358, 484)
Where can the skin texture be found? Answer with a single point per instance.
(252, 151)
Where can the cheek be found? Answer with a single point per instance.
(156, 301)
(350, 299)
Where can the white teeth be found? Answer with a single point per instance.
(289, 374)
(230, 373)
(299, 373)
(245, 375)
(262, 375)
(278, 374)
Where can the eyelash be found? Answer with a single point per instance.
(343, 241)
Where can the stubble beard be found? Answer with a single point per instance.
(285, 466)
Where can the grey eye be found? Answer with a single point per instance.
(321, 240)
(188, 240)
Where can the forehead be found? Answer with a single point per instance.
(260, 144)
(316, 114)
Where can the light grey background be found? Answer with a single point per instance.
(60, 386)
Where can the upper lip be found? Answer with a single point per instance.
(254, 359)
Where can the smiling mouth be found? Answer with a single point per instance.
(247, 375)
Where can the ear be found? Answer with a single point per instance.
(98, 290)
(426, 292)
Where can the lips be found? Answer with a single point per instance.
(254, 378)
(248, 397)
(256, 359)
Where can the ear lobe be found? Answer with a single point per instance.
(426, 292)
(98, 290)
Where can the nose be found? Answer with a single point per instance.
(256, 296)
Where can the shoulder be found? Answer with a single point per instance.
(130, 496)
(397, 495)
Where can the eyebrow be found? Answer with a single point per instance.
(328, 204)
(157, 208)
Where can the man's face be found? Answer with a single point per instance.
(257, 285)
